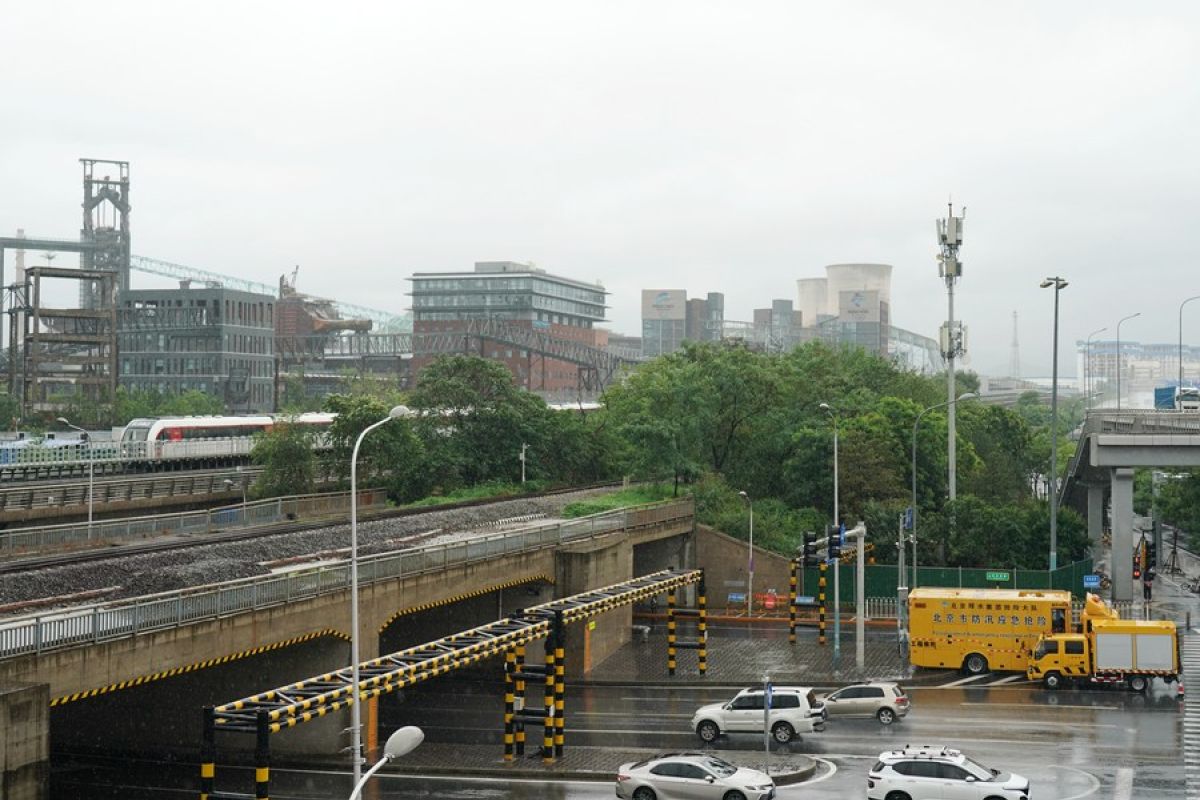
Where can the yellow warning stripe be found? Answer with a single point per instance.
(212, 662)
(465, 596)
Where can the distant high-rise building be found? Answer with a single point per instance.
(669, 319)
(518, 294)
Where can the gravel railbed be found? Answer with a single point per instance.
(196, 565)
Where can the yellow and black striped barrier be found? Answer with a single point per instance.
(795, 564)
(700, 643)
(560, 686)
(821, 601)
(510, 699)
(671, 633)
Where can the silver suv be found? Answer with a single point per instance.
(794, 710)
(932, 772)
(887, 702)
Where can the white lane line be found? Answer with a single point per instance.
(1095, 787)
(1123, 785)
(961, 681)
(1010, 679)
(1028, 706)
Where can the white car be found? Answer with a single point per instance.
(794, 710)
(939, 773)
(691, 776)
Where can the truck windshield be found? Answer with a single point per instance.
(1040, 650)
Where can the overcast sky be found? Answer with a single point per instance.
(729, 147)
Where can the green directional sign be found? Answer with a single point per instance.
(998, 576)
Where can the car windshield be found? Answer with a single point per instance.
(718, 767)
(1040, 650)
(978, 770)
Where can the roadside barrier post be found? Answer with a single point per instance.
(821, 601)
(792, 602)
(262, 757)
(702, 627)
(519, 698)
(510, 664)
(208, 755)
(671, 632)
(560, 670)
(548, 704)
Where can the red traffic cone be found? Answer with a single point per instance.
(1179, 691)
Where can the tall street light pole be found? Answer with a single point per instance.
(1059, 284)
(91, 463)
(1181, 305)
(355, 701)
(916, 426)
(402, 742)
(837, 527)
(1123, 319)
(749, 559)
(1087, 368)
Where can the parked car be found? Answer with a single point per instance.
(934, 773)
(794, 710)
(691, 776)
(887, 702)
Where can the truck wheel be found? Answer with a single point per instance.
(1053, 681)
(975, 664)
(1138, 683)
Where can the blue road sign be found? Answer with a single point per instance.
(842, 534)
(908, 519)
(805, 600)
(1091, 581)
(736, 597)
(770, 691)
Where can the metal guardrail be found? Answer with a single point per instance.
(72, 496)
(122, 619)
(252, 514)
(885, 608)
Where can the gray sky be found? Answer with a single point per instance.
(729, 147)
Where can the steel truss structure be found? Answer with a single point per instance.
(304, 701)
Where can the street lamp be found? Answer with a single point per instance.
(524, 447)
(355, 709)
(1087, 368)
(1059, 284)
(91, 462)
(837, 528)
(229, 484)
(750, 562)
(402, 742)
(916, 425)
(1123, 319)
(1181, 305)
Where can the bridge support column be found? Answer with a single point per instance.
(1095, 520)
(1122, 534)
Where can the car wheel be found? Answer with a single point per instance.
(644, 793)
(1052, 681)
(708, 731)
(1138, 683)
(975, 664)
(886, 715)
(734, 795)
(783, 732)
(897, 796)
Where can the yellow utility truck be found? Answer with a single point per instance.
(977, 630)
(1110, 650)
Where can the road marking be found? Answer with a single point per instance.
(832, 771)
(1028, 706)
(1010, 679)
(1091, 778)
(1123, 785)
(961, 681)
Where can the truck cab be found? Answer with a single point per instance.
(1059, 659)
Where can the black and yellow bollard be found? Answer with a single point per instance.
(671, 632)
(702, 627)
(510, 699)
(519, 699)
(262, 757)
(792, 602)
(821, 601)
(208, 754)
(548, 700)
(560, 687)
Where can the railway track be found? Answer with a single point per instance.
(175, 542)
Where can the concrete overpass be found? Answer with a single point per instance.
(89, 651)
(1111, 445)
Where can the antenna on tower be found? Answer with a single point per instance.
(1014, 364)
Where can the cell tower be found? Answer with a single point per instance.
(954, 337)
(1014, 364)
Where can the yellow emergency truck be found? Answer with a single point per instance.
(980, 629)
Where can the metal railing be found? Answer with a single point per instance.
(885, 608)
(23, 541)
(108, 621)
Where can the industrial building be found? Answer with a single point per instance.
(669, 319)
(210, 339)
(521, 305)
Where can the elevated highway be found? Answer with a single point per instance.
(1111, 445)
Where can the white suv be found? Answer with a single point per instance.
(794, 710)
(934, 772)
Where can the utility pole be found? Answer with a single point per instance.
(953, 338)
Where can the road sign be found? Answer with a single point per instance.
(999, 576)
(805, 600)
(1091, 581)
(736, 597)
(908, 519)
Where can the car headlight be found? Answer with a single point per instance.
(763, 788)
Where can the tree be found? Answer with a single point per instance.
(9, 411)
(391, 455)
(286, 455)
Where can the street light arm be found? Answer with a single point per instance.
(357, 793)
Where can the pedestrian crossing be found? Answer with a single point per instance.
(986, 679)
(1191, 712)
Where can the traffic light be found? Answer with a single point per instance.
(835, 541)
(1151, 554)
(1137, 559)
(810, 549)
